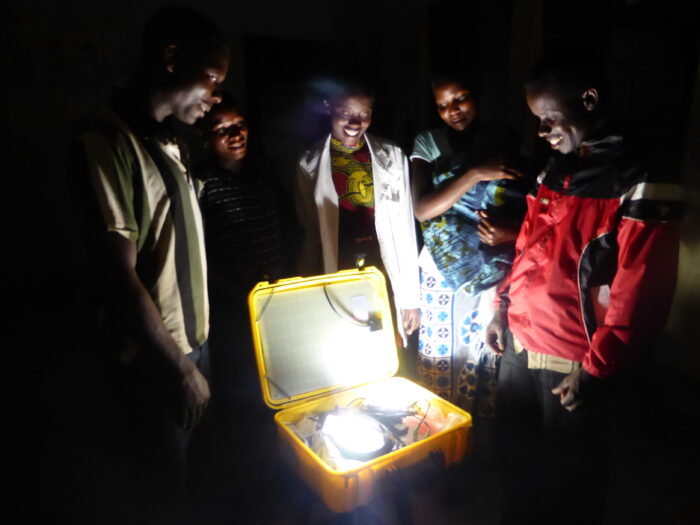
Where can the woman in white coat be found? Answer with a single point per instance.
(353, 200)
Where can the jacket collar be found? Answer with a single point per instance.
(606, 145)
(380, 152)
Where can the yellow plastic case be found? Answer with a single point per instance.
(322, 342)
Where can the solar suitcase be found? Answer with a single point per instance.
(326, 353)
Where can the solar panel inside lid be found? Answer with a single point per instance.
(323, 333)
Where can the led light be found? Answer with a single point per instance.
(357, 436)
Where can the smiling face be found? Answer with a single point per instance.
(455, 105)
(350, 118)
(197, 87)
(228, 136)
(563, 121)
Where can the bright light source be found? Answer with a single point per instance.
(357, 436)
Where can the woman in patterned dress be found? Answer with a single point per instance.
(469, 204)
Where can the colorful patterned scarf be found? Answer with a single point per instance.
(453, 239)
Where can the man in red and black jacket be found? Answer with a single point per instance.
(591, 286)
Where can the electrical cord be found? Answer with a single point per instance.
(346, 318)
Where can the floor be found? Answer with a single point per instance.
(61, 465)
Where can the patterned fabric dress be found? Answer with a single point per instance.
(351, 170)
(453, 359)
(460, 275)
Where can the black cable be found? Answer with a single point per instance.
(264, 306)
(348, 319)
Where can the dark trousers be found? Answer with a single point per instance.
(554, 463)
(245, 465)
(159, 452)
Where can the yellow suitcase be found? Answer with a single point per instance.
(326, 354)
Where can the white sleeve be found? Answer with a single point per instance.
(408, 293)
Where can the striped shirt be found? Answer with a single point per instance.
(145, 194)
(242, 223)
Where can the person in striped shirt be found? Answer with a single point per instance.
(148, 243)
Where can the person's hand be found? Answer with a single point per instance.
(495, 336)
(493, 170)
(195, 391)
(411, 320)
(493, 234)
(572, 388)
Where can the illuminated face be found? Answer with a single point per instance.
(455, 105)
(198, 87)
(350, 118)
(229, 135)
(562, 123)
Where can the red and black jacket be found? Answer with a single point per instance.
(596, 259)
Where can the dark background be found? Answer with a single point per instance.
(61, 59)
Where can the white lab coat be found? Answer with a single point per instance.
(317, 208)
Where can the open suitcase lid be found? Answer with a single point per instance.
(321, 334)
